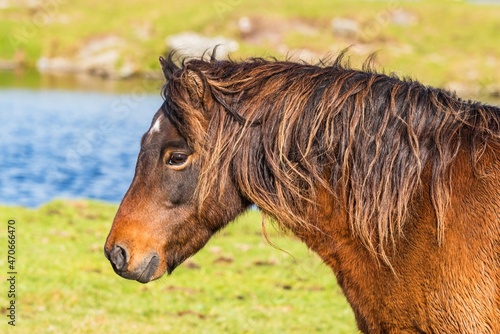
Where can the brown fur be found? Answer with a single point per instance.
(394, 184)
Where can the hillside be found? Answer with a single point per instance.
(442, 43)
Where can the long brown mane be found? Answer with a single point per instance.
(281, 129)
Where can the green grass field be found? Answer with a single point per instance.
(238, 283)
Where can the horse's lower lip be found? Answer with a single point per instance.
(149, 271)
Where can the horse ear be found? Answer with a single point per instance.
(168, 66)
(195, 83)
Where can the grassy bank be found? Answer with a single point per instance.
(438, 42)
(237, 284)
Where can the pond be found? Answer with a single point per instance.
(70, 144)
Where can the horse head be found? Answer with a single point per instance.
(161, 221)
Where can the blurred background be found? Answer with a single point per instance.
(79, 84)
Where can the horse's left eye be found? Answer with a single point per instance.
(177, 159)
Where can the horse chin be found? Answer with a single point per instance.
(173, 262)
(148, 274)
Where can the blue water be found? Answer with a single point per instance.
(62, 144)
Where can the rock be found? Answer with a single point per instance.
(345, 27)
(101, 56)
(4, 4)
(272, 32)
(57, 65)
(8, 65)
(245, 25)
(463, 90)
(401, 17)
(101, 63)
(305, 55)
(127, 69)
(190, 44)
(101, 44)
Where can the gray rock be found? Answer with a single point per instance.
(190, 44)
(57, 65)
(245, 25)
(345, 27)
(403, 18)
(101, 56)
(4, 4)
(6, 64)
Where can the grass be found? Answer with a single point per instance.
(237, 284)
(449, 41)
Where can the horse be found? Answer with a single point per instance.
(394, 184)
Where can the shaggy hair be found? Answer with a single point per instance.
(281, 130)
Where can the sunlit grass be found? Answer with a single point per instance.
(445, 39)
(237, 284)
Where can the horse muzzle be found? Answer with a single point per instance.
(143, 271)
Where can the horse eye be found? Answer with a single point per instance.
(177, 159)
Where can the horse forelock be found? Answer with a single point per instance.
(279, 130)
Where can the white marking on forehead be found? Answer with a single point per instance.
(156, 126)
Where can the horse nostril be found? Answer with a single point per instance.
(118, 257)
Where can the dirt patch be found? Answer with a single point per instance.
(223, 259)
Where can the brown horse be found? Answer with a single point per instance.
(394, 184)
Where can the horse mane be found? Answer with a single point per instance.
(280, 130)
